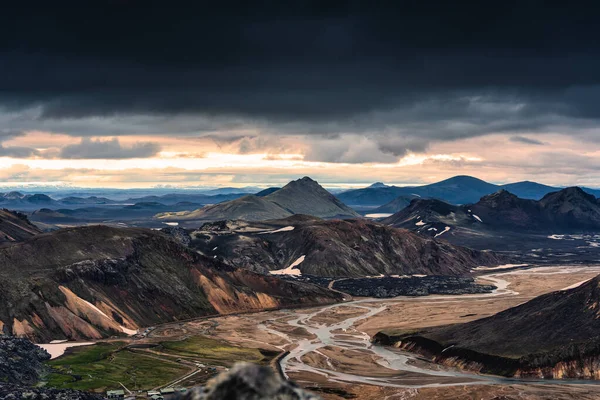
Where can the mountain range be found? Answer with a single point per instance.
(552, 336)
(567, 210)
(302, 196)
(456, 190)
(96, 281)
(333, 248)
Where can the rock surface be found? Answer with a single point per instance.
(249, 382)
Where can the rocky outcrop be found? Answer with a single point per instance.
(19, 392)
(249, 382)
(21, 366)
(20, 360)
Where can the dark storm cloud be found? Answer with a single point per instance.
(410, 72)
(18, 152)
(526, 140)
(108, 149)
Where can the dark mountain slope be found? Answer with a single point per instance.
(554, 335)
(335, 248)
(572, 209)
(15, 227)
(96, 281)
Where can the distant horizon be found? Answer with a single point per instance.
(66, 186)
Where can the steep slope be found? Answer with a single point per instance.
(306, 196)
(303, 196)
(551, 336)
(335, 248)
(15, 227)
(96, 281)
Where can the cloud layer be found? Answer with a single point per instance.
(349, 82)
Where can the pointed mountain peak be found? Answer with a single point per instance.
(305, 182)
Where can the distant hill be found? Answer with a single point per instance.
(95, 281)
(529, 190)
(334, 248)
(302, 196)
(567, 210)
(399, 203)
(98, 213)
(551, 336)
(456, 190)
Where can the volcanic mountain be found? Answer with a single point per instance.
(333, 248)
(568, 210)
(97, 281)
(303, 196)
(551, 336)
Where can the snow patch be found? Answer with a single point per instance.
(420, 223)
(284, 229)
(58, 349)
(172, 223)
(446, 229)
(504, 266)
(378, 215)
(477, 218)
(290, 270)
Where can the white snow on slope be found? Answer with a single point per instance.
(284, 229)
(477, 218)
(446, 229)
(290, 270)
(420, 223)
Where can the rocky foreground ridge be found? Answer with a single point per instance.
(21, 366)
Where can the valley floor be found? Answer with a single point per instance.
(328, 349)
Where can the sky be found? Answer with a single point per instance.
(126, 93)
